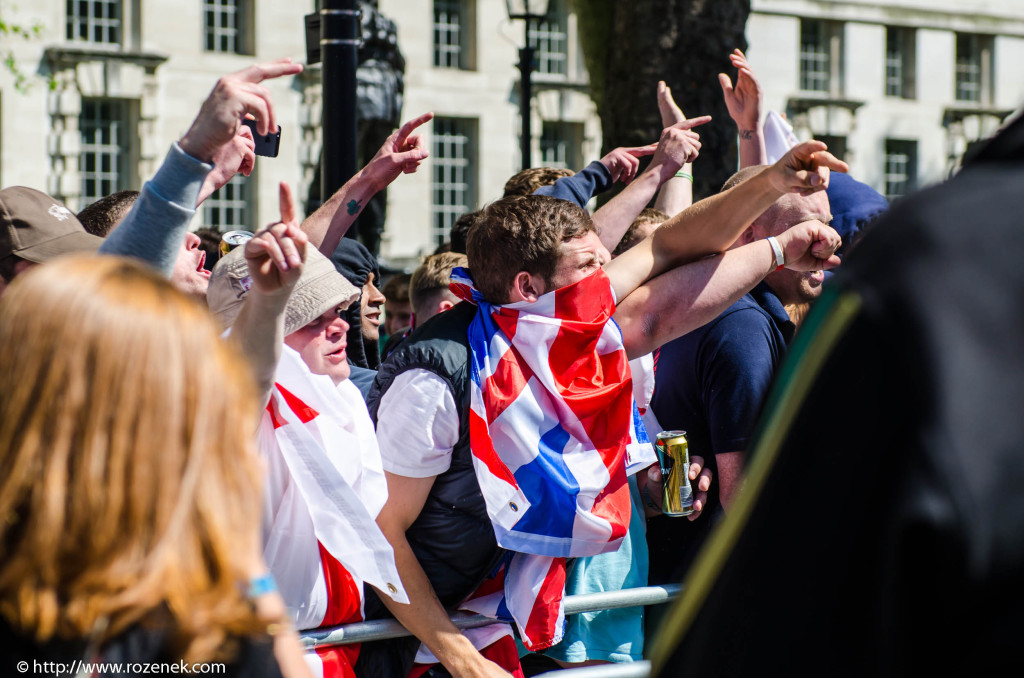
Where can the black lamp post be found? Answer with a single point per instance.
(530, 11)
(339, 47)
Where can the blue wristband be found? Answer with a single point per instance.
(261, 585)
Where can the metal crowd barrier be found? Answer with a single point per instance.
(627, 670)
(382, 629)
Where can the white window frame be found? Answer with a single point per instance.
(107, 137)
(229, 208)
(550, 37)
(900, 171)
(821, 57)
(453, 34)
(234, 38)
(973, 68)
(111, 29)
(453, 173)
(900, 62)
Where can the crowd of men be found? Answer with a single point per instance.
(491, 449)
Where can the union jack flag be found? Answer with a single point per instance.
(552, 423)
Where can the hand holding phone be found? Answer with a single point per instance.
(267, 145)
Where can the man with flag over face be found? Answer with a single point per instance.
(506, 425)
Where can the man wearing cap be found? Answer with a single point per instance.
(324, 484)
(35, 229)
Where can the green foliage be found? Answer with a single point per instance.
(9, 30)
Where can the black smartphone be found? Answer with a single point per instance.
(267, 145)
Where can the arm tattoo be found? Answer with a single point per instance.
(746, 134)
(354, 206)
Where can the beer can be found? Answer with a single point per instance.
(233, 239)
(674, 459)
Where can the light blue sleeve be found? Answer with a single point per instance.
(155, 227)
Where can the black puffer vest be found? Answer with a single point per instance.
(452, 538)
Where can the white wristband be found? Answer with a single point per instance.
(780, 258)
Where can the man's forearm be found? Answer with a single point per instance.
(613, 220)
(713, 224)
(426, 618)
(259, 332)
(690, 296)
(327, 226)
(752, 147)
(676, 194)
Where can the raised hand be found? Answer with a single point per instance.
(232, 98)
(276, 254)
(805, 169)
(401, 152)
(745, 99)
(678, 145)
(810, 246)
(670, 111)
(622, 163)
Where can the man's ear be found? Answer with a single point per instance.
(444, 305)
(526, 287)
(748, 236)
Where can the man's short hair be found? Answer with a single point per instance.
(524, 233)
(460, 231)
(102, 216)
(650, 216)
(529, 180)
(743, 175)
(431, 279)
(396, 289)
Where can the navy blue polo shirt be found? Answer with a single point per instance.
(712, 383)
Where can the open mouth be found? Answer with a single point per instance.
(201, 268)
(337, 356)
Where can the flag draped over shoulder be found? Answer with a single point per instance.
(326, 439)
(552, 424)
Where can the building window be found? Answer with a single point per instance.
(451, 34)
(225, 26)
(96, 21)
(820, 56)
(550, 37)
(899, 62)
(900, 167)
(228, 209)
(973, 68)
(453, 176)
(560, 144)
(104, 163)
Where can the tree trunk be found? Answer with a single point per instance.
(630, 46)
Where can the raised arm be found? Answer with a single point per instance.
(744, 103)
(678, 145)
(154, 228)
(597, 177)
(402, 152)
(676, 194)
(275, 259)
(689, 296)
(713, 224)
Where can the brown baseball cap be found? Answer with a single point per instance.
(37, 228)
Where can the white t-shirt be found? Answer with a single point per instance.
(417, 425)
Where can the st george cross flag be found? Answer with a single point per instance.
(335, 481)
(552, 422)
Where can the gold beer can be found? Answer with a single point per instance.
(233, 239)
(674, 458)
